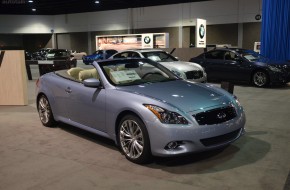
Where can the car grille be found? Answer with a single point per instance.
(220, 139)
(194, 74)
(216, 116)
(287, 68)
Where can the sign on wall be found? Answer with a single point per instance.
(200, 33)
(147, 41)
(132, 41)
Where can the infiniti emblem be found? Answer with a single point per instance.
(221, 115)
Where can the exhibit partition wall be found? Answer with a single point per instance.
(13, 78)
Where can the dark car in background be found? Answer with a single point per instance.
(234, 64)
(40, 55)
(58, 54)
(98, 55)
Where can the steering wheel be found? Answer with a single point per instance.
(148, 74)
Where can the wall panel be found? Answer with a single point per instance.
(251, 34)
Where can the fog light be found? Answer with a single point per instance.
(173, 145)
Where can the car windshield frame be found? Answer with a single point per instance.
(132, 64)
(167, 58)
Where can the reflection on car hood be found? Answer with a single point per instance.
(271, 62)
(181, 65)
(184, 95)
(279, 64)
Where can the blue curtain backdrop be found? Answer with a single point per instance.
(275, 32)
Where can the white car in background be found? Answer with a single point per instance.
(78, 55)
(186, 70)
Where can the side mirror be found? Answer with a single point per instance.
(92, 83)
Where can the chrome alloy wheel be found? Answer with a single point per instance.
(131, 139)
(260, 78)
(44, 110)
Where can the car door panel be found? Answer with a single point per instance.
(215, 69)
(61, 97)
(87, 106)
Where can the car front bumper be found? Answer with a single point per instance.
(193, 138)
(279, 77)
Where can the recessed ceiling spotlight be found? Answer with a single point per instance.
(33, 9)
(97, 2)
(30, 1)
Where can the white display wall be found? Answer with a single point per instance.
(177, 15)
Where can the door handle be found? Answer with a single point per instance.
(68, 90)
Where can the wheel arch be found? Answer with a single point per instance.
(51, 103)
(259, 69)
(119, 118)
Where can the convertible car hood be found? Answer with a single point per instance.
(181, 65)
(184, 95)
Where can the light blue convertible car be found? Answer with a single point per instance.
(146, 109)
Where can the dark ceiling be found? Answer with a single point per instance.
(55, 7)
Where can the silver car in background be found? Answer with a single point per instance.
(145, 113)
(185, 70)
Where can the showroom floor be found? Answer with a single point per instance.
(34, 157)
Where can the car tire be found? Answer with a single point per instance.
(45, 112)
(133, 139)
(260, 78)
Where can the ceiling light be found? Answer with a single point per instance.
(33, 9)
(30, 1)
(97, 2)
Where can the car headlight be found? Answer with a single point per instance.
(179, 74)
(275, 69)
(166, 116)
(237, 101)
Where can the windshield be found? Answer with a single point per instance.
(251, 56)
(135, 72)
(159, 56)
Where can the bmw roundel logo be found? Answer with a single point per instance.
(201, 31)
(147, 39)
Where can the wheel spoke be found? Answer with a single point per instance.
(131, 152)
(41, 104)
(125, 133)
(139, 147)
